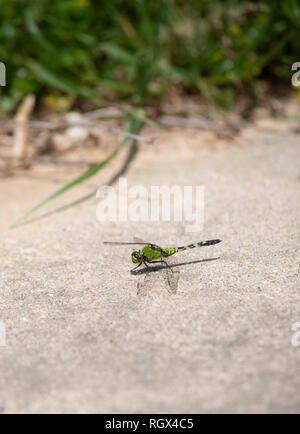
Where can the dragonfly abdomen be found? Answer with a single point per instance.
(200, 244)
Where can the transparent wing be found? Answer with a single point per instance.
(139, 241)
(120, 243)
(130, 243)
(171, 277)
(136, 240)
(145, 285)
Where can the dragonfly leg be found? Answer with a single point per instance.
(165, 262)
(137, 266)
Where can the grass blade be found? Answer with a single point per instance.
(133, 126)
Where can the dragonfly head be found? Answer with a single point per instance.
(136, 257)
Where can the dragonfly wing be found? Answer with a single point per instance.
(171, 277)
(120, 243)
(140, 241)
(144, 286)
(136, 240)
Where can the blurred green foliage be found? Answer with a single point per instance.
(63, 50)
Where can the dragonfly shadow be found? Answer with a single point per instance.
(155, 268)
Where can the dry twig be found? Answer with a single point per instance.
(21, 124)
(47, 160)
(20, 130)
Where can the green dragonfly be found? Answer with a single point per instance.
(152, 253)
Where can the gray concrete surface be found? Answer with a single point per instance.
(80, 339)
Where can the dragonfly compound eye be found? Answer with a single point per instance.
(136, 257)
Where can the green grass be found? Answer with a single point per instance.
(133, 49)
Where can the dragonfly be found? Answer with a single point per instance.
(152, 253)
